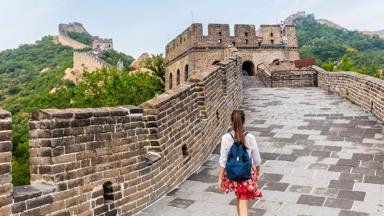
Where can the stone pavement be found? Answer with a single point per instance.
(321, 156)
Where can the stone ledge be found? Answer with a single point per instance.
(22, 193)
(84, 113)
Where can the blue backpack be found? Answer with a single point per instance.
(238, 166)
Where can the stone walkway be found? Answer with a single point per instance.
(321, 156)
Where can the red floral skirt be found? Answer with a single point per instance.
(243, 189)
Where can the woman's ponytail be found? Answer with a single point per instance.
(238, 119)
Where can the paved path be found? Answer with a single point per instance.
(321, 156)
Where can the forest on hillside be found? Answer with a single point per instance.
(339, 50)
(29, 73)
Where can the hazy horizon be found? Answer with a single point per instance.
(146, 26)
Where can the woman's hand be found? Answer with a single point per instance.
(257, 172)
(220, 185)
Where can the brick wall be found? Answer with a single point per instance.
(101, 161)
(291, 78)
(298, 78)
(363, 90)
(67, 41)
(5, 163)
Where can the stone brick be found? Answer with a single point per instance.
(311, 200)
(352, 195)
(39, 201)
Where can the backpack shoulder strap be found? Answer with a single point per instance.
(231, 135)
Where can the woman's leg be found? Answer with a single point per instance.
(237, 207)
(243, 207)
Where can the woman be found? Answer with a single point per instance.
(244, 190)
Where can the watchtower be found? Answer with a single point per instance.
(192, 52)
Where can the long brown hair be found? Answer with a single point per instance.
(238, 119)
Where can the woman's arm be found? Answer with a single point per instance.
(256, 157)
(221, 174)
(222, 161)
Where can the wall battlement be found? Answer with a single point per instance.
(95, 161)
(219, 36)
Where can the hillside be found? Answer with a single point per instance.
(29, 70)
(29, 73)
(330, 45)
(26, 73)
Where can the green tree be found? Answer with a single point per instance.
(82, 37)
(113, 56)
(328, 66)
(346, 65)
(109, 87)
(155, 63)
(328, 44)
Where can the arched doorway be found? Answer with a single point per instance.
(249, 68)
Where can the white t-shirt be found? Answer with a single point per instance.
(227, 142)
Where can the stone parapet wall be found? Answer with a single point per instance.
(67, 41)
(84, 61)
(363, 90)
(107, 161)
(294, 78)
(6, 186)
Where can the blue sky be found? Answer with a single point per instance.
(138, 26)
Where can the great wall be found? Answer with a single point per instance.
(120, 160)
(83, 60)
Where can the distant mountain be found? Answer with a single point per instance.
(329, 43)
(290, 20)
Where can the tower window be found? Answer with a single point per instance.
(220, 40)
(219, 33)
(246, 41)
(272, 41)
(233, 43)
(271, 34)
(246, 34)
(170, 81)
(186, 71)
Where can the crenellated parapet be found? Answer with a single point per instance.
(119, 160)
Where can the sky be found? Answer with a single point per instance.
(138, 26)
